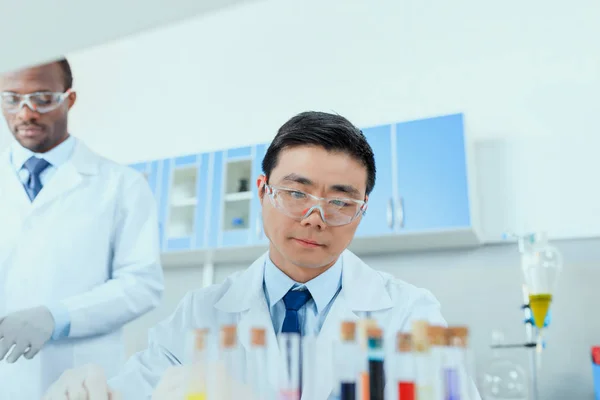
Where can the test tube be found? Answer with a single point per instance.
(458, 384)
(197, 378)
(229, 375)
(310, 366)
(424, 371)
(347, 361)
(437, 342)
(404, 367)
(258, 364)
(289, 371)
(376, 356)
(363, 385)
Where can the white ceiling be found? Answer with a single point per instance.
(35, 31)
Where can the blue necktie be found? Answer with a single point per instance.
(35, 166)
(293, 300)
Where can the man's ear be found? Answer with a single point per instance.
(71, 98)
(260, 184)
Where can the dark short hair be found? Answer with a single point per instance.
(65, 67)
(332, 132)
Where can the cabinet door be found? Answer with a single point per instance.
(378, 218)
(184, 205)
(257, 234)
(152, 172)
(231, 197)
(432, 174)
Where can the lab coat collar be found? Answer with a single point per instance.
(84, 160)
(244, 288)
(56, 157)
(69, 176)
(363, 288)
(322, 288)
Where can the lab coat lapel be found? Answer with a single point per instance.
(69, 175)
(363, 290)
(11, 188)
(15, 208)
(245, 296)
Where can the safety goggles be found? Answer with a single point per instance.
(299, 205)
(41, 102)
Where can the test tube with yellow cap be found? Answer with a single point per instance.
(197, 378)
(425, 373)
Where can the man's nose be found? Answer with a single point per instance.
(315, 218)
(27, 114)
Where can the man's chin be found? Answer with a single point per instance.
(37, 145)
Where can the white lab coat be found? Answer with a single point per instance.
(240, 299)
(88, 241)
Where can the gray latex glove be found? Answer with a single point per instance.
(26, 330)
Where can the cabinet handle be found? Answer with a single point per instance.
(400, 211)
(259, 226)
(390, 213)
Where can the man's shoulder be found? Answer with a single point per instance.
(403, 292)
(210, 295)
(106, 166)
(400, 291)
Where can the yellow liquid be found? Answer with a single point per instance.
(424, 392)
(539, 304)
(196, 396)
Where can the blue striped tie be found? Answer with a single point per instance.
(35, 166)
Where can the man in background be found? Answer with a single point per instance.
(79, 251)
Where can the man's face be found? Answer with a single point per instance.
(38, 132)
(316, 171)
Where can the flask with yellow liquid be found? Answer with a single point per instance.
(541, 264)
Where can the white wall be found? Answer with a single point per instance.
(76, 25)
(525, 75)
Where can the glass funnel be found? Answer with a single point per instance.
(541, 264)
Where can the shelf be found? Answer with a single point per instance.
(236, 215)
(238, 196)
(372, 246)
(239, 175)
(181, 222)
(191, 202)
(183, 186)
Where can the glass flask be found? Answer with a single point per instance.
(503, 378)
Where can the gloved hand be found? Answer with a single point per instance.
(28, 330)
(84, 383)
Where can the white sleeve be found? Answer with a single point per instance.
(136, 282)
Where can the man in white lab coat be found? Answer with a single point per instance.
(79, 254)
(318, 173)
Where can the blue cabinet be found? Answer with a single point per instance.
(378, 220)
(431, 173)
(257, 234)
(233, 219)
(210, 201)
(152, 172)
(184, 202)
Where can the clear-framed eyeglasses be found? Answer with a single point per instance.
(41, 102)
(299, 205)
